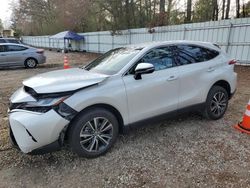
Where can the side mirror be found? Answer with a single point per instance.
(143, 68)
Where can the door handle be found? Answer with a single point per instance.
(171, 78)
(210, 69)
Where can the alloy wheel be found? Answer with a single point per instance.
(96, 134)
(218, 103)
(31, 63)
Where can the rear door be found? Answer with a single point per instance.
(155, 93)
(3, 55)
(196, 66)
(16, 54)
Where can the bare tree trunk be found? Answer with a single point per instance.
(162, 13)
(154, 9)
(237, 8)
(189, 11)
(127, 13)
(162, 6)
(141, 15)
(243, 11)
(227, 9)
(133, 12)
(168, 11)
(215, 10)
(223, 9)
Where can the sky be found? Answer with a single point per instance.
(5, 12)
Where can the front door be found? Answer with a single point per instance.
(155, 93)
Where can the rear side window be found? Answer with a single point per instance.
(16, 48)
(188, 54)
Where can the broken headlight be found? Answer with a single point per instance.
(46, 104)
(41, 105)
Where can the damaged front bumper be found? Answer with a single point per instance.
(38, 122)
(31, 131)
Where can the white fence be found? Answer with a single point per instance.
(232, 35)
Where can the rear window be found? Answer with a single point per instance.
(188, 54)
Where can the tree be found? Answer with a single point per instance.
(203, 10)
(245, 10)
(223, 9)
(215, 10)
(189, 11)
(44, 17)
(227, 9)
(1, 25)
(237, 8)
(169, 10)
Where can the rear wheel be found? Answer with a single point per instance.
(93, 133)
(216, 103)
(30, 63)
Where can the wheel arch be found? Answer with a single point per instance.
(225, 85)
(108, 107)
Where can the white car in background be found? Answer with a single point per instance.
(85, 108)
(20, 55)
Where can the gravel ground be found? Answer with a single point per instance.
(185, 152)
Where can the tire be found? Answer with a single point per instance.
(216, 103)
(93, 132)
(30, 63)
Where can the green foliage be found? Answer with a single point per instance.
(246, 10)
(203, 11)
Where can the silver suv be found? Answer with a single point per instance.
(85, 108)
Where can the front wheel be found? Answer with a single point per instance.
(216, 103)
(93, 133)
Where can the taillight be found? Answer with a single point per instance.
(232, 62)
(40, 51)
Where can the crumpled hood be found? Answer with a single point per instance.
(63, 80)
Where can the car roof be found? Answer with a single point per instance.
(15, 44)
(9, 38)
(7, 43)
(160, 43)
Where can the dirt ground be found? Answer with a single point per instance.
(186, 152)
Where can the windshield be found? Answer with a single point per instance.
(112, 61)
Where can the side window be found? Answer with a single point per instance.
(210, 54)
(2, 41)
(2, 48)
(161, 58)
(16, 48)
(188, 54)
